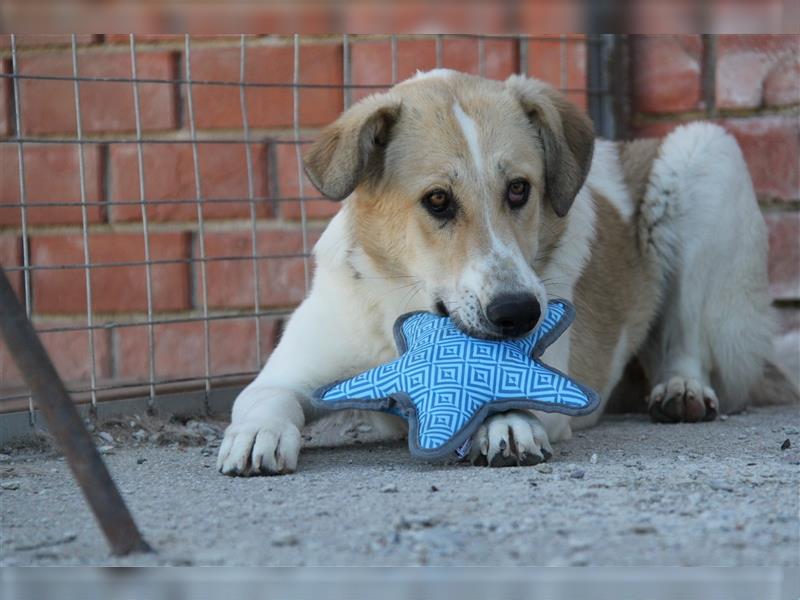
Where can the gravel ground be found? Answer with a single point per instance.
(628, 492)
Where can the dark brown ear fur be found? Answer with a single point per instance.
(351, 150)
(567, 135)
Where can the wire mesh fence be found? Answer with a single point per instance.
(154, 214)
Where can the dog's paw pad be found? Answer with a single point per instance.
(682, 400)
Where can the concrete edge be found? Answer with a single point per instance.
(17, 428)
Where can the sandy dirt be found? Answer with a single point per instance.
(628, 492)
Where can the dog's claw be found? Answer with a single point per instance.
(514, 438)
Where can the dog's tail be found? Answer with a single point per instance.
(775, 388)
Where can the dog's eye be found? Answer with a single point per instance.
(440, 204)
(517, 193)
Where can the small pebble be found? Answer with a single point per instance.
(10, 485)
(141, 461)
(106, 437)
(577, 474)
(719, 485)
(106, 449)
(434, 488)
(285, 538)
(544, 468)
(643, 529)
(389, 488)
(593, 459)
(787, 443)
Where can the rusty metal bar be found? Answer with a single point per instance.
(66, 426)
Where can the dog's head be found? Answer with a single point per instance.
(459, 183)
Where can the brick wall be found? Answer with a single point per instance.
(749, 84)
(115, 237)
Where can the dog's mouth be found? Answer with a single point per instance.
(484, 332)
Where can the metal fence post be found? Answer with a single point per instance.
(66, 426)
(608, 85)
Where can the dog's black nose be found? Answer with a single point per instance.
(514, 314)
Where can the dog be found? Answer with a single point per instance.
(480, 200)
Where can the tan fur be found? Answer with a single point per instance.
(616, 290)
(636, 158)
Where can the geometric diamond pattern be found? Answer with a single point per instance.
(445, 383)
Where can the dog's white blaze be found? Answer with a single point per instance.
(502, 253)
(470, 131)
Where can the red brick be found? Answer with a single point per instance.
(424, 17)
(371, 62)
(501, 56)
(771, 146)
(653, 17)
(317, 207)
(218, 106)
(549, 16)
(52, 175)
(657, 129)
(114, 288)
(306, 18)
(179, 348)
(11, 256)
(169, 175)
(49, 107)
(561, 62)
(27, 40)
(231, 282)
(784, 254)
(69, 351)
(6, 101)
(782, 85)
(754, 70)
(666, 73)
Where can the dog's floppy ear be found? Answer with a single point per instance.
(351, 149)
(567, 135)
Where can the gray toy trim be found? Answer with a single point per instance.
(403, 401)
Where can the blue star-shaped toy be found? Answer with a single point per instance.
(445, 383)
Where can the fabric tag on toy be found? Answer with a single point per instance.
(445, 382)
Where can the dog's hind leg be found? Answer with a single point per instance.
(700, 224)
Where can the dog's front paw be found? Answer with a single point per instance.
(271, 448)
(513, 438)
(682, 399)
